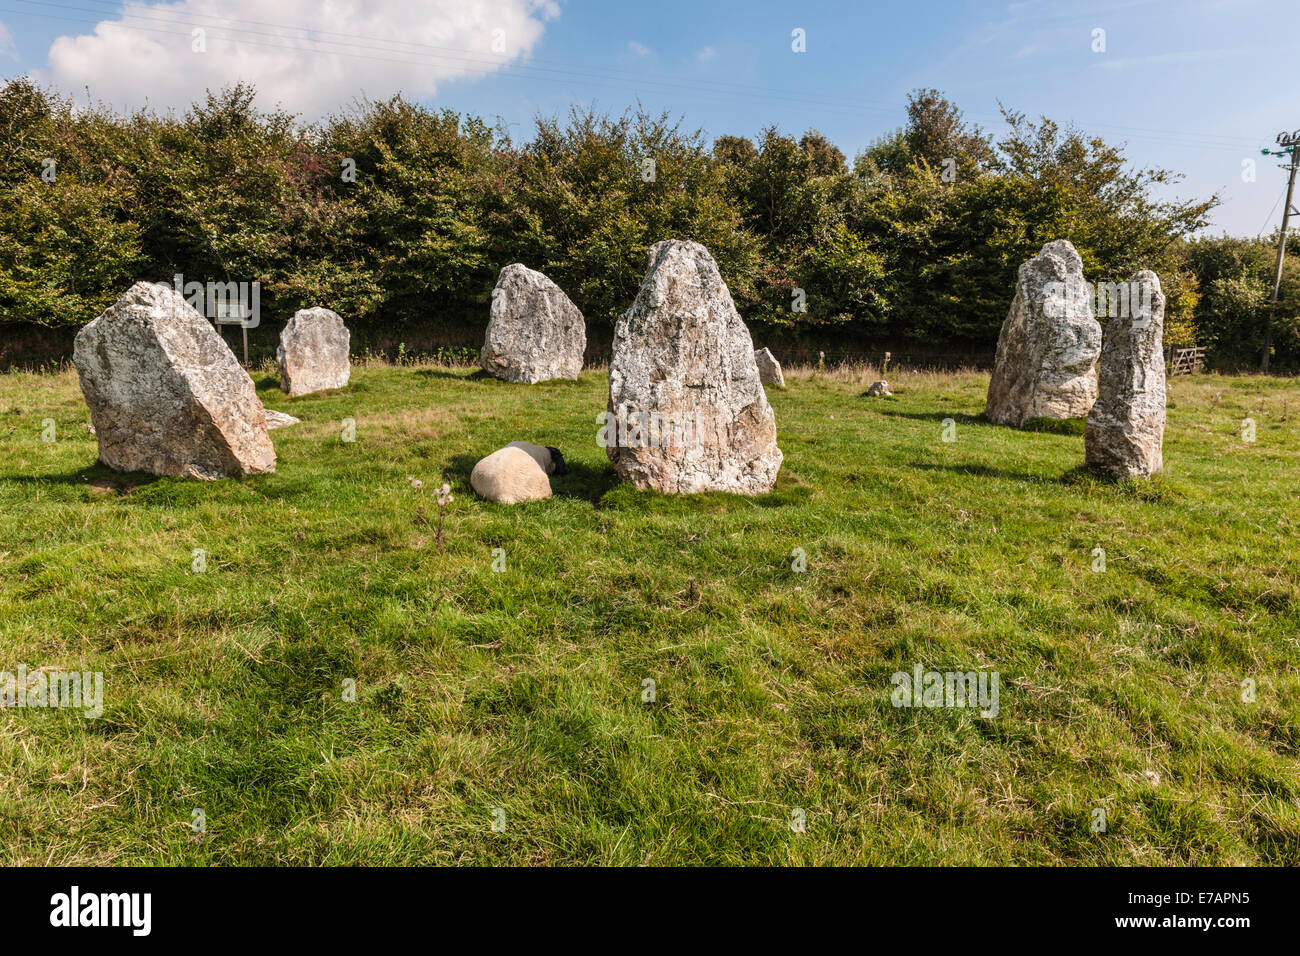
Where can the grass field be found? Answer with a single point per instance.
(516, 696)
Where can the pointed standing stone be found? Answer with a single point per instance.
(535, 332)
(1126, 427)
(1046, 364)
(166, 394)
(687, 412)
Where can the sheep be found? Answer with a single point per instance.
(549, 458)
(517, 473)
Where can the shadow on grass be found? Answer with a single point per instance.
(959, 417)
(1056, 426)
(97, 476)
(982, 471)
(624, 496)
(1158, 489)
(460, 374)
(585, 482)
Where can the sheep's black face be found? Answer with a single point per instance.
(558, 467)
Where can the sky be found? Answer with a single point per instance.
(1195, 86)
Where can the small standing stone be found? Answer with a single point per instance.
(1126, 427)
(313, 352)
(535, 332)
(769, 369)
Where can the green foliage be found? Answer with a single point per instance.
(1235, 277)
(586, 206)
(918, 240)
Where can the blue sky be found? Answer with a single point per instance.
(1198, 86)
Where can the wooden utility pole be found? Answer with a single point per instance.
(1288, 142)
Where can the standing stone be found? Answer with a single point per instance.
(534, 333)
(687, 412)
(166, 394)
(1046, 364)
(769, 369)
(1126, 427)
(313, 352)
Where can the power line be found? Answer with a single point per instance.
(1270, 214)
(559, 73)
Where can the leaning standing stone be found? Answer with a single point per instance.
(1046, 364)
(166, 394)
(535, 332)
(687, 412)
(1126, 427)
(313, 352)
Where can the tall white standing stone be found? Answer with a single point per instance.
(1126, 427)
(1046, 364)
(166, 394)
(535, 332)
(687, 412)
(313, 352)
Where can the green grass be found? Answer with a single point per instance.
(522, 690)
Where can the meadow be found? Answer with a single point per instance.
(646, 679)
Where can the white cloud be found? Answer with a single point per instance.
(310, 57)
(640, 49)
(706, 54)
(7, 47)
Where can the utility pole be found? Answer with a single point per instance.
(1288, 142)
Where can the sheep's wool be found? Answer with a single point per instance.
(539, 454)
(510, 476)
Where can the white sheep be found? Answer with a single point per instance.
(517, 473)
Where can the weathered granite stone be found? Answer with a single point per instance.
(1046, 364)
(769, 369)
(166, 394)
(510, 476)
(687, 412)
(879, 388)
(313, 352)
(276, 419)
(1126, 427)
(534, 333)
